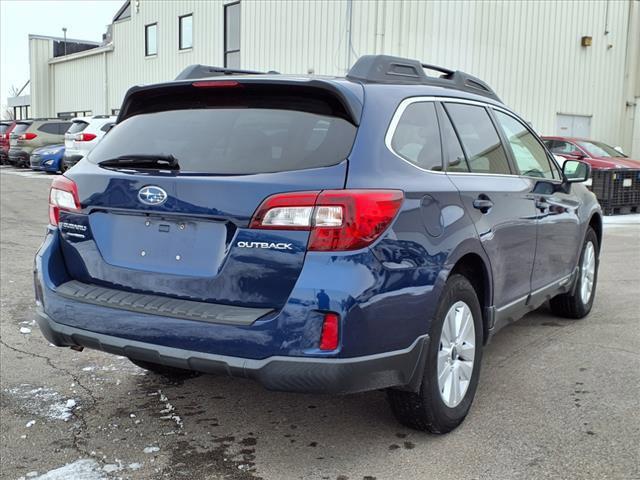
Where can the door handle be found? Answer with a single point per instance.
(541, 204)
(483, 203)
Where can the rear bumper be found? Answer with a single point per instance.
(279, 349)
(291, 374)
(17, 157)
(72, 159)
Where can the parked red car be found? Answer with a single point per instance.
(597, 154)
(5, 129)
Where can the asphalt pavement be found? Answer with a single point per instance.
(558, 399)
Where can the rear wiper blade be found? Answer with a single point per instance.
(155, 162)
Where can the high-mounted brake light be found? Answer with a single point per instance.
(62, 196)
(28, 136)
(337, 219)
(84, 137)
(214, 84)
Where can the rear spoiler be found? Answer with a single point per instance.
(160, 97)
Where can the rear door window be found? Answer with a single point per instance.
(529, 155)
(77, 126)
(416, 137)
(51, 128)
(226, 140)
(485, 153)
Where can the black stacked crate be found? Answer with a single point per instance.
(618, 190)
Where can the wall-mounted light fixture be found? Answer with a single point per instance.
(586, 41)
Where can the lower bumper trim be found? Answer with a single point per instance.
(400, 368)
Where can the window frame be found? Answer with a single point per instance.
(437, 118)
(226, 52)
(146, 40)
(180, 47)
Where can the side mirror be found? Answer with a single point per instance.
(576, 171)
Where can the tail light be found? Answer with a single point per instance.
(85, 137)
(62, 196)
(28, 136)
(330, 332)
(337, 219)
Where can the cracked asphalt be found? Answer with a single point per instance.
(557, 398)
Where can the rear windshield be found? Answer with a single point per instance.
(77, 126)
(20, 128)
(3, 127)
(232, 140)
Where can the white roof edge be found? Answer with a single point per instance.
(84, 53)
(61, 39)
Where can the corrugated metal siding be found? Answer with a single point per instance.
(40, 51)
(130, 66)
(528, 51)
(79, 84)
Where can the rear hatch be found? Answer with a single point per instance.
(167, 196)
(19, 129)
(77, 126)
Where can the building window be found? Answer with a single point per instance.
(151, 39)
(232, 35)
(185, 31)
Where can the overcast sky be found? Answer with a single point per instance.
(85, 20)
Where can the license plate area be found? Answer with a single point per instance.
(180, 246)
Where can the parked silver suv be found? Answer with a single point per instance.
(28, 135)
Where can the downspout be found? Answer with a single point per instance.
(631, 77)
(106, 84)
(349, 24)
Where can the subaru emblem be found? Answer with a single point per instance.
(152, 195)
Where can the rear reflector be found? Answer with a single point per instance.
(337, 219)
(329, 336)
(62, 196)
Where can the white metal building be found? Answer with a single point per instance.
(570, 68)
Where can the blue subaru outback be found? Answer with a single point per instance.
(317, 234)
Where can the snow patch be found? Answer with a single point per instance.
(43, 401)
(84, 469)
(151, 449)
(25, 330)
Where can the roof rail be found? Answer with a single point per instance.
(204, 71)
(388, 69)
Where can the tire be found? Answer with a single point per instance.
(165, 371)
(578, 304)
(427, 410)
